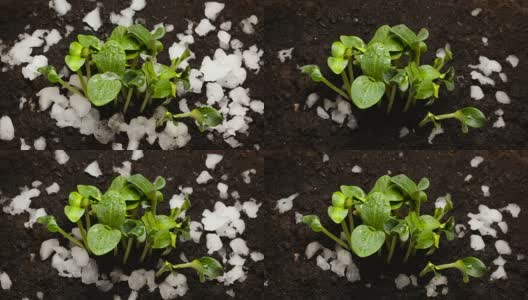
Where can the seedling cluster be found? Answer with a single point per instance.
(390, 64)
(390, 215)
(126, 217)
(126, 65)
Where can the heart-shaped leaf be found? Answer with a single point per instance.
(314, 222)
(367, 91)
(111, 210)
(338, 199)
(352, 191)
(89, 191)
(102, 239)
(103, 88)
(207, 116)
(367, 240)
(406, 35)
(73, 213)
(337, 214)
(376, 61)
(111, 58)
(89, 41)
(161, 239)
(209, 268)
(352, 42)
(472, 117)
(74, 62)
(375, 211)
(314, 72)
(383, 35)
(142, 184)
(337, 64)
(50, 223)
(405, 183)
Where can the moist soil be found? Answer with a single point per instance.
(279, 174)
(312, 25)
(30, 124)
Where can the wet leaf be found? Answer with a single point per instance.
(103, 88)
(102, 239)
(367, 240)
(367, 91)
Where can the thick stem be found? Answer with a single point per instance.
(336, 239)
(179, 266)
(345, 230)
(350, 71)
(128, 248)
(88, 70)
(346, 81)
(409, 101)
(87, 219)
(350, 220)
(71, 88)
(83, 82)
(83, 232)
(145, 101)
(71, 238)
(336, 89)
(391, 99)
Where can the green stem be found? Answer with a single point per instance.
(179, 266)
(350, 71)
(345, 230)
(409, 101)
(408, 252)
(145, 101)
(83, 232)
(128, 248)
(336, 89)
(391, 249)
(71, 238)
(82, 81)
(336, 239)
(145, 251)
(128, 97)
(71, 88)
(87, 219)
(346, 81)
(391, 99)
(116, 250)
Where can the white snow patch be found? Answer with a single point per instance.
(286, 204)
(93, 169)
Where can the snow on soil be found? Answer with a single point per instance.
(93, 169)
(339, 261)
(286, 204)
(7, 130)
(223, 72)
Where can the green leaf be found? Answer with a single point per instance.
(207, 116)
(50, 222)
(133, 228)
(75, 199)
(367, 91)
(75, 49)
(337, 214)
(423, 184)
(314, 72)
(314, 222)
(383, 35)
(207, 268)
(396, 226)
(74, 62)
(161, 89)
(142, 35)
(111, 210)
(103, 88)
(161, 239)
(424, 239)
(338, 199)
(406, 35)
(376, 61)
(338, 49)
(111, 58)
(134, 78)
(165, 222)
(375, 211)
(73, 213)
(120, 185)
(142, 184)
(50, 73)
(159, 183)
(159, 33)
(89, 191)
(337, 64)
(472, 117)
(429, 73)
(352, 191)
(352, 42)
(424, 89)
(405, 183)
(120, 35)
(367, 240)
(472, 266)
(423, 34)
(89, 41)
(102, 239)
(429, 223)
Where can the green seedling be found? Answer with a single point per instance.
(468, 117)
(469, 267)
(387, 216)
(124, 67)
(391, 69)
(127, 214)
(206, 267)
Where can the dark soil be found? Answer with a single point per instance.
(180, 169)
(30, 125)
(305, 173)
(312, 25)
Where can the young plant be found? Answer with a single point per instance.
(127, 214)
(391, 68)
(469, 267)
(389, 214)
(124, 67)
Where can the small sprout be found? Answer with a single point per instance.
(391, 69)
(205, 117)
(468, 117)
(206, 267)
(389, 215)
(469, 267)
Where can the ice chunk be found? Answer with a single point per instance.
(80, 256)
(513, 60)
(93, 169)
(93, 19)
(61, 157)
(503, 247)
(204, 27)
(54, 188)
(476, 92)
(239, 246)
(285, 54)
(402, 281)
(212, 160)
(213, 243)
(62, 7)
(502, 97)
(476, 161)
(212, 9)
(7, 130)
(5, 281)
(204, 177)
(286, 204)
(513, 209)
(477, 243)
(47, 248)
